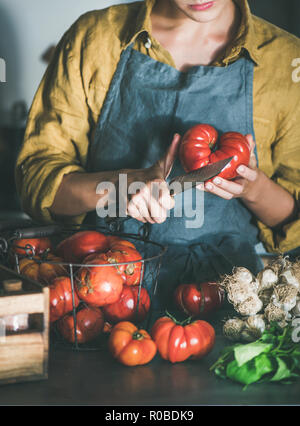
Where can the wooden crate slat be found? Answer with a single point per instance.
(22, 304)
(21, 355)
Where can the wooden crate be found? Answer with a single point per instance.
(24, 354)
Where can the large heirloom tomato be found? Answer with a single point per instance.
(76, 247)
(89, 325)
(61, 300)
(196, 149)
(42, 270)
(177, 341)
(199, 299)
(25, 245)
(99, 285)
(131, 346)
(126, 309)
(132, 271)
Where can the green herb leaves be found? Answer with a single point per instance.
(274, 357)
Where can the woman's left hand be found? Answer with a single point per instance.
(244, 186)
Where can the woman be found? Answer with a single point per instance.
(124, 84)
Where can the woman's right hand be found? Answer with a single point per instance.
(152, 202)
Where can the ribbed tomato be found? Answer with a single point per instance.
(25, 245)
(133, 271)
(199, 300)
(76, 247)
(126, 309)
(99, 285)
(61, 300)
(89, 325)
(196, 145)
(196, 149)
(131, 346)
(177, 341)
(41, 270)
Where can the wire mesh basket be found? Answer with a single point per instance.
(88, 296)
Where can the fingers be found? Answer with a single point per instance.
(247, 173)
(219, 191)
(152, 203)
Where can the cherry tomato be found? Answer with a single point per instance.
(131, 346)
(177, 341)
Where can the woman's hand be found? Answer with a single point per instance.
(245, 186)
(268, 201)
(153, 201)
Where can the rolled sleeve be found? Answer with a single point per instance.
(57, 133)
(286, 160)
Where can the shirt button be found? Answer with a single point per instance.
(148, 43)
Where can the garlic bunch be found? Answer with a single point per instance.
(246, 330)
(272, 296)
(241, 288)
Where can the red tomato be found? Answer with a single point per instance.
(131, 346)
(132, 270)
(99, 285)
(118, 242)
(76, 247)
(195, 149)
(199, 299)
(89, 325)
(61, 301)
(177, 341)
(38, 244)
(125, 309)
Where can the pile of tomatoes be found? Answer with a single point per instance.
(103, 296)
(109, 298)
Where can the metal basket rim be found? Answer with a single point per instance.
(162, 247)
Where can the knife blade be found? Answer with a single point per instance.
(197, 176)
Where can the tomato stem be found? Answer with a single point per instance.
(182, 323)
(137, 335)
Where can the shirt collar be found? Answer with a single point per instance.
(245, 38)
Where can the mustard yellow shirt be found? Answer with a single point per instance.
(69, 99)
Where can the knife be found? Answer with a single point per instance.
(195, 178)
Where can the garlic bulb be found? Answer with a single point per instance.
(291, 276)
(237, 293)
(232, 329)
(274, 313)
(267, 278)
(285, 297)
(250, 306)
(242, 275)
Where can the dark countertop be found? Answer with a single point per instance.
(93, 378)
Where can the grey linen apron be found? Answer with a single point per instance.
(147, 102)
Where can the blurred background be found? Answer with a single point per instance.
(29, 29)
